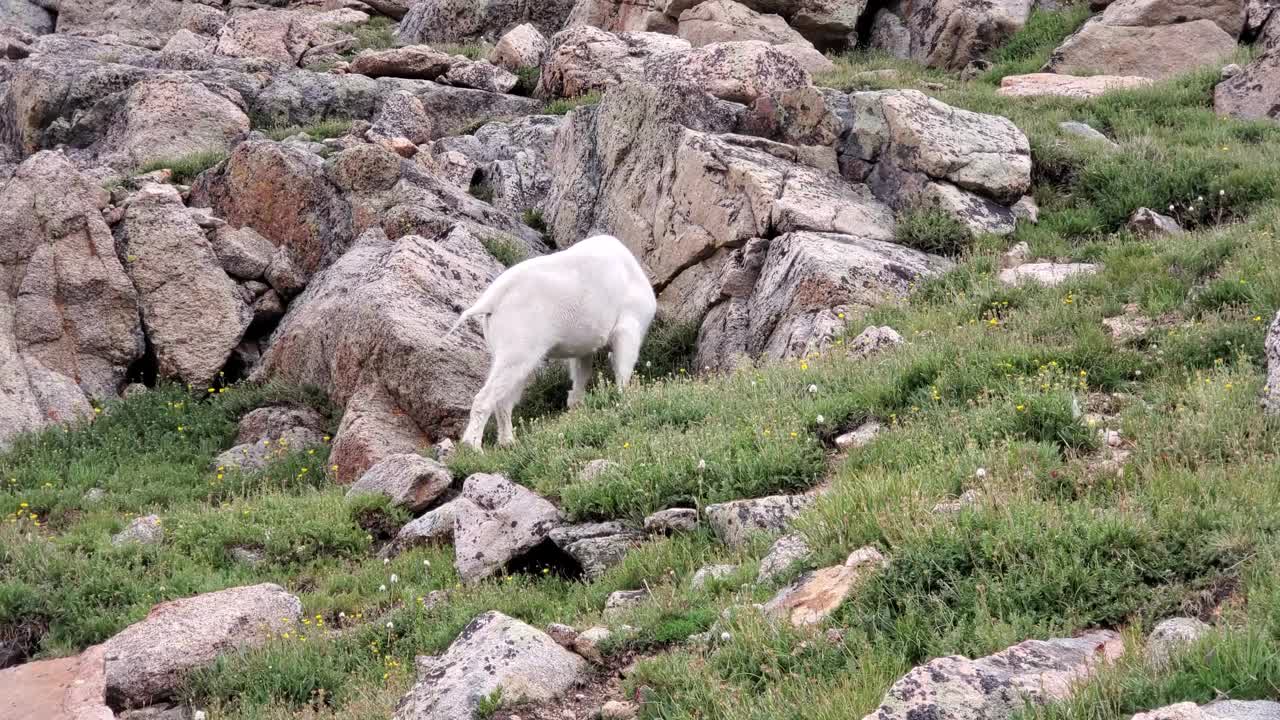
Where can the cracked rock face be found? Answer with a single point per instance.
(736, 521)
(993, 687)
(494, 652)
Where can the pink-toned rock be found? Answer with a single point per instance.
(621, 16)
(1156, 52)
(1071, 86)
(817, 594)
(585, 59)
(735, 71)
(69, 688)
(522, 47)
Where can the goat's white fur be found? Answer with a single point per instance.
(566, 305)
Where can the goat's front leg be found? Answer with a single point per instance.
(580, 372)
(625, 344)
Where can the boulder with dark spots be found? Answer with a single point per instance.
(456, 21)
(622, 16)
(735, 522)
(1149, 223)
(623, 601)
(145, 530)
(148, 661)
(950, 34)
(1218, 710)
(273, 421)
(584, 59)
(498, 522)
(513, 158)
(410, 481)
(1254, 94)
(493, 653)
(194, 314)
(738, 71)
(996, 686)
(672, 521)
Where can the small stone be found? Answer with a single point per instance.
(142, 531)
(617, 710)
(1085, 131)
(1017, 255)
(711, 573)
(134, 390)
(247, 556)
(672, 521)
(1230, 71)
(623, 601)
(860, 436)
(817, 594)
(587, 644)
(445, 450)
(564, 635)
(1149, 223)
(783, 555)
(967, 499)
(595, 469)
(874, 339)
(1027, 210)
(835, 636)
(1172, 635)
(95, 495)
(1047, 274)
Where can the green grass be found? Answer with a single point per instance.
(318, 131)
(933, 231)
(184, 168)
(471, 51)
(378, 33)
(566, 105)
(992, 392)
(504, 250)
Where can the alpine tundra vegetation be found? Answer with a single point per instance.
(959, 402)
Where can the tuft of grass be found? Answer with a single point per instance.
(378, 33)
(527, 82)
(934, 231)
(505, 250)
(471, 51)
(481, 190)
(564, 106)
(489, 705)
(1030, 47)
(534, 219)
(321, 130)
(185, 168)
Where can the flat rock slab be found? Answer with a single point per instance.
(1049, 274)
(410, 481)
(148, 660)
(70, 688)
(736, 521)
(817, 594)
(994, 687)
(1221, 710)
(493, 652)
(1069, 86)
(785, 552)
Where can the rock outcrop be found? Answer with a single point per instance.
(1255, 92)
(429, 21)
(584, 59)
(493, 654)
(1148, 38)
(815, 595)
(410, 481)
(735, 522)
(1070, 86)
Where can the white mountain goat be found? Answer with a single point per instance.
(566, 305)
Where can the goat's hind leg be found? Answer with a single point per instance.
(625, 345)
(507, 380)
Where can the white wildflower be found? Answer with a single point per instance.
(390, 624)
(394, 578)
(821, 419)
(382, 588)
(980, 473)
(813, 389)
(702, 464)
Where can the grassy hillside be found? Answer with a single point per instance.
(982, 397)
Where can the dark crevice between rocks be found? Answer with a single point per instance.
(145, 369)
(19, 640)
(546, 559)
(868, 20)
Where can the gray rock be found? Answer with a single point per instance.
(480, 75)
(494, 652)
(1255, 92)
(873, 340)
(512, 157)
(411, 481)
(739, 71)
(859, 436)
(594, 469)
(435, 527)
(1080, 129)
(622, 602)
(27, 15)
(736, 521)
(1147, 222)
(1219, 710)
(149, 660)
(145, 530)
(248, 556)
(711, 573)
(257, 455)
(495, 522)
(1048, 274)
(812, 598)
(950, 34)
(1153, 51)
(783, 555)
(969, 498)
(996, 686)
(521, 47)
(584, 59)
(1173, 635)
(672, 521)
(242, 252)
(95, 495)
(596, 546)
(273, 421)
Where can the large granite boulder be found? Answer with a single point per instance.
(452, 21)
(1254, 93)
(739, 71)
(370, 331)
(1154, 51)
(69, 327)
(193, 312)
(149, 660)
(493, 653)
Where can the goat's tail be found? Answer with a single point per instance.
(484, 306)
